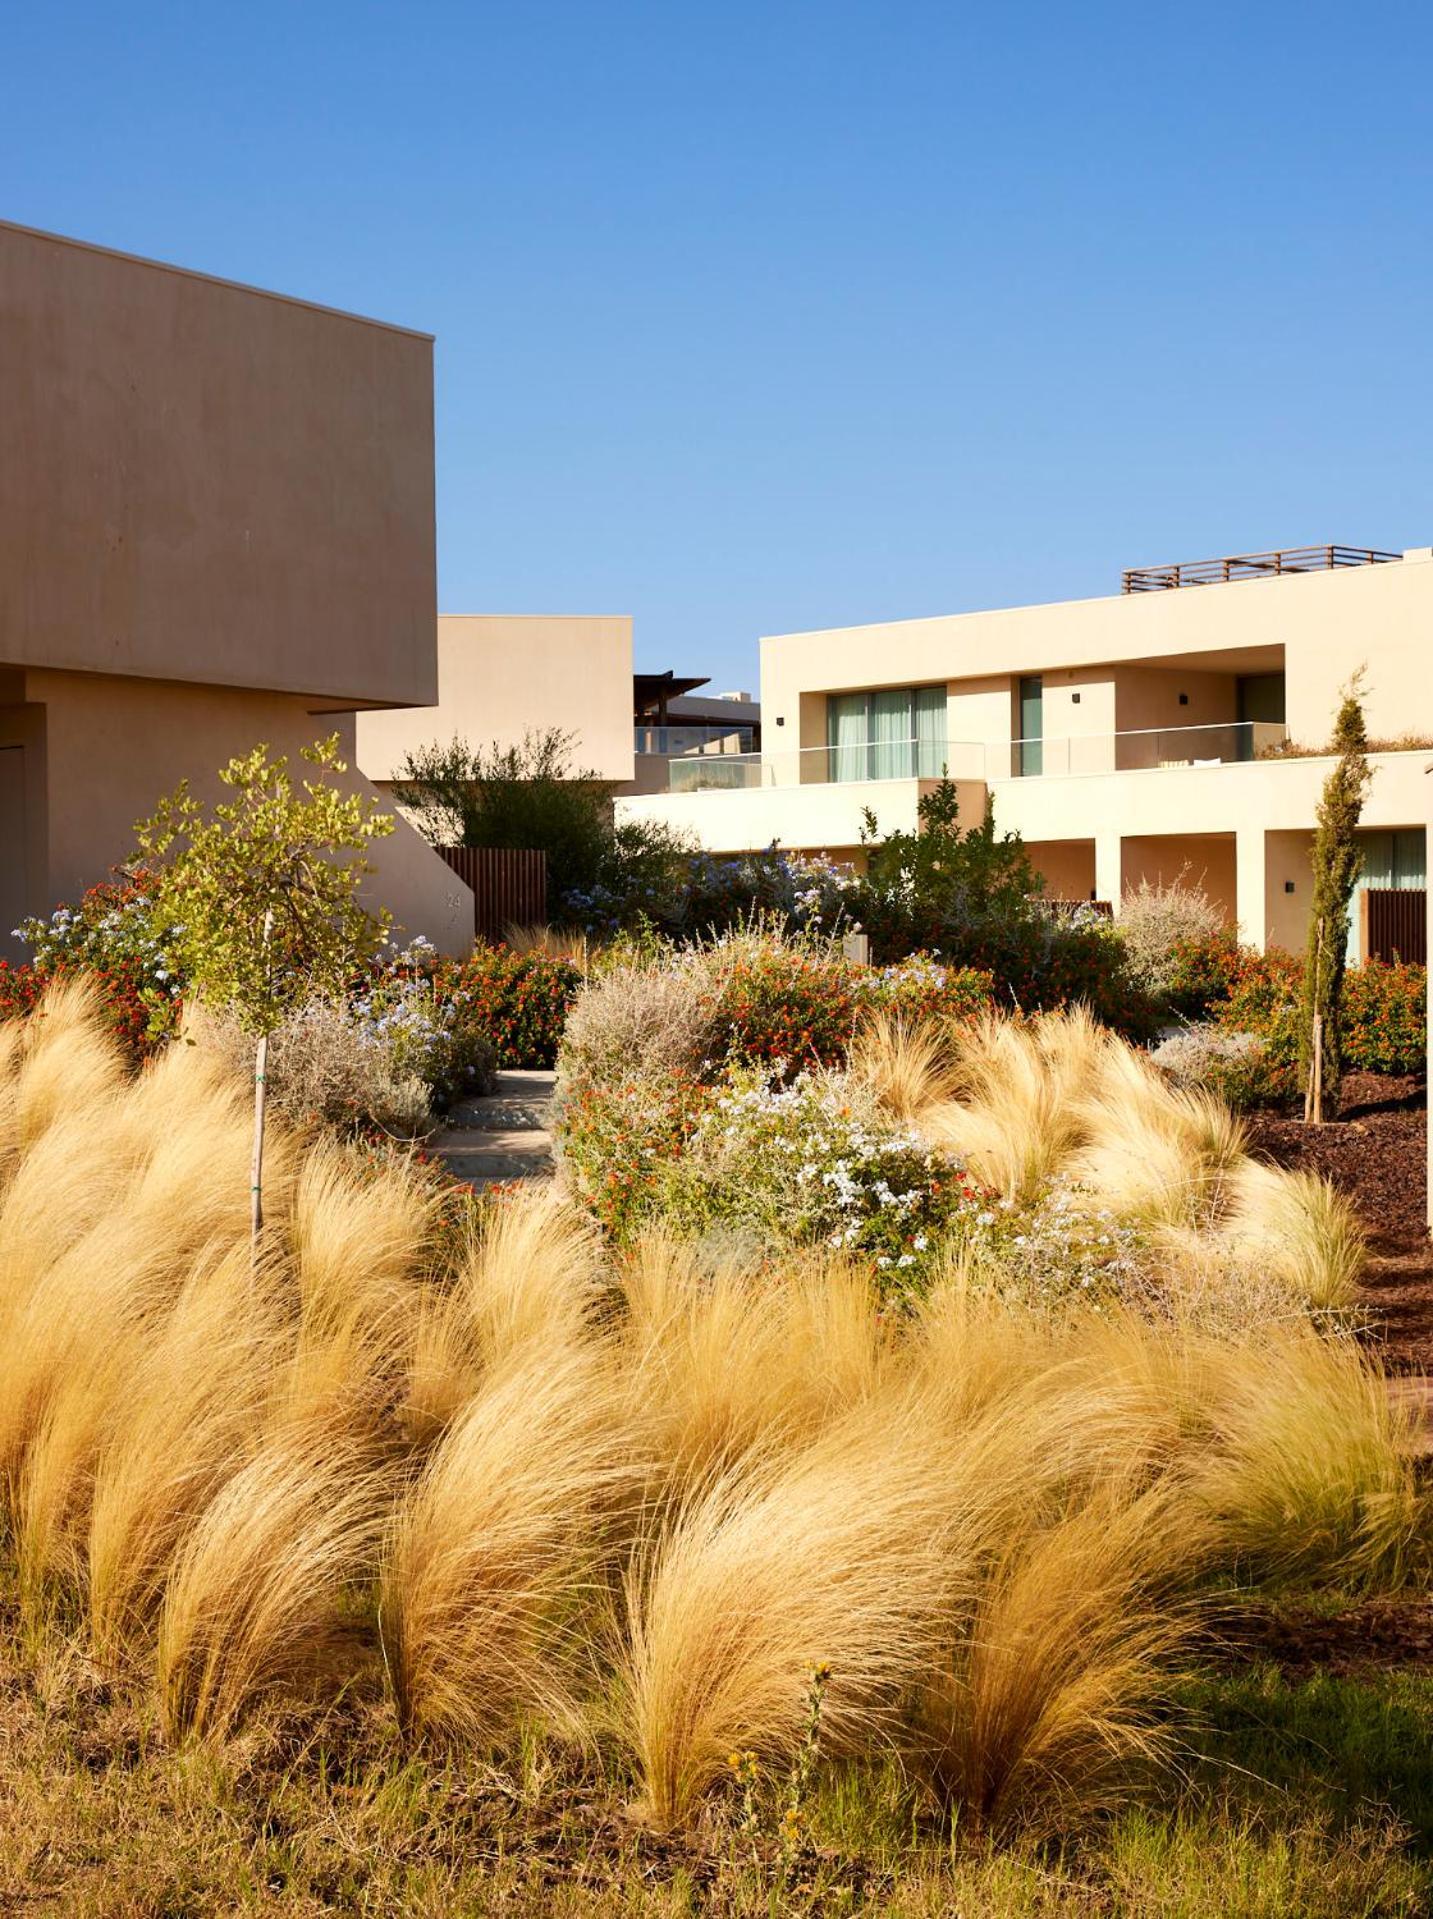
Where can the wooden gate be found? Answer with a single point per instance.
(1394, 923)
(509, 886)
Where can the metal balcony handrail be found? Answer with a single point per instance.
(1252, 566)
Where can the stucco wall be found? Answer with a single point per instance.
(1067, 867)
(502, 675)
(1326, 625)
(112, 747)
(1162, 859)
(203, 482)
(799, 817)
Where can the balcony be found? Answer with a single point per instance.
(876, 761)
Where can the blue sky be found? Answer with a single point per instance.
(760, 317)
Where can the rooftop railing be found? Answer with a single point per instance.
(1138, 750)
(1252, 566)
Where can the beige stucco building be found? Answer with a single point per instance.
(503, 675)
(216, 529)
(1123, 738)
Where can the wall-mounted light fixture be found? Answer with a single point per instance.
(1074, 699)
(1288, 886)
(1184, 699)
(781, 719)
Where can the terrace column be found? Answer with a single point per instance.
(1251, 873)
(1109, 867)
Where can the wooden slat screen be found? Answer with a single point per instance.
(1396, 923)
(509, 886)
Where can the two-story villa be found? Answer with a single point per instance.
(1177, 723)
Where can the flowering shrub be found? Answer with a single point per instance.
(807, 1164)
(115, 935)
(1200, 974)
(922, 987)
(1384, 1027)
(1385, 1017)
(686, 895)
(427, 1028)
(1057, 1250)
(617, 1138)
(20, 987)
(517, 1001)
(785, 1005)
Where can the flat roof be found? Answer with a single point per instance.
(213, 279)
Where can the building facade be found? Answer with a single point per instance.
(216, 530)
(1174, 727)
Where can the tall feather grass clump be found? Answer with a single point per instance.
(515, 1487)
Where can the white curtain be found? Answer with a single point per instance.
(847, 734)
(892, 735)
(932, 745)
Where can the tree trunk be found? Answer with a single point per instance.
(256, 1171)
(261, 1081)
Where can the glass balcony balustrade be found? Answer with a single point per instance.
(1145, 750)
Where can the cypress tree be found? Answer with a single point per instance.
(1337, 862)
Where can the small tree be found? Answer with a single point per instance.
(528, 795)
(919, 887)
(1337, 862)
(262, 894)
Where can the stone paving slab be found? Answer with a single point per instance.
(502, 1135)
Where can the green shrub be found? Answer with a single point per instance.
(973, 899)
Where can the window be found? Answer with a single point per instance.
(1032, 725)
(897, 733)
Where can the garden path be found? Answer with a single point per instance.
(502, 1135)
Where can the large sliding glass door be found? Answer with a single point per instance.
(893, 733)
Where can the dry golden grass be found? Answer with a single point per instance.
(909, 1068)
(1296, 1229)
(1047, 1696)
(637, 1502)
(491, 1572)
(832, 1558)
(1015, 1115)
(255, 1600)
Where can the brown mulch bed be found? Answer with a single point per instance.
(1376, 1153)
(1376, 1634)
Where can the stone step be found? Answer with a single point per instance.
(500, 1113)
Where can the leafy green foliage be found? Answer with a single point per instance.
(974, 899)
(528, 795)
(1337, 861)
(921, 886)
(261, 893)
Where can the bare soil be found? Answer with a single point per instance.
(1376, 1153)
